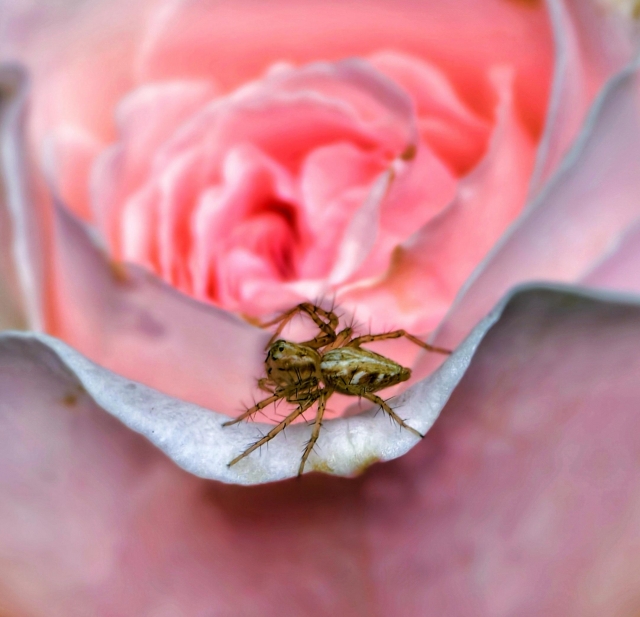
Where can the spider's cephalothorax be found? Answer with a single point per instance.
(303, 373)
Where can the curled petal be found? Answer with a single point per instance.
(590, 201)
(619, 268)
(590, 47)
(23, 250)
(528, 483)
(429, 268)
(195, 438)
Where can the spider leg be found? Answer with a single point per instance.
(317, 425)
(342, 340)
(260, 405)
(319, 315)
(368, 338)
(266, 385)
(374, 398)
(274, 431)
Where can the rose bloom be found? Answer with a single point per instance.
(173, 173)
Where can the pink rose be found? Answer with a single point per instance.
(416, 162)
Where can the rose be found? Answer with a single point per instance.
(272, 228)
(369, 124)
(522, 341)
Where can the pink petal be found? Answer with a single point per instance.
(447, 124)
(80, 58)
(619, 268)
(429, 268)
(12, 310)
(302, 106)
(522, 501)
(590, 201)
(132, 323)
(23, 257)
(524, 498)
(334, 182)
(70, 153)
(419, 190)
(591, 46)
(147, 118)
(464, 38)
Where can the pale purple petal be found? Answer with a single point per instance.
(22, 242)
(11, 305)
(591, 45)
(195, 438)
(525, 497)
(619, 268)
(590, 201)
(522, 501)
(129, 321)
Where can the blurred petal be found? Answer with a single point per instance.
(146, 119)
(132, 323)
(193, 38)
(522, 501)
(590, 47)
(619, 269)
(70, 153)
(524, 498)
(79, 56)
(436, 260)
(447, 124)
(590, 201)
(11, 301)
(195, 438)
(23, 247)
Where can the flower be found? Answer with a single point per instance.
(524, 488)
(277, 183)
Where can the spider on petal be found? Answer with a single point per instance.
(310, 372)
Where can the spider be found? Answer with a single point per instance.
(303, 373)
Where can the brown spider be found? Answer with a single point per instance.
(303, 373)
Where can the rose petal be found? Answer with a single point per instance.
(591, 200)
(591, 46)
(193, 38)
(619, 268)
(70, 153)
(522, 501)
(132, 323)
(146, 119)
(12, 313)
(451, 129)
(253, 207)
(436, 260)
(25, 265)
(334, 182)
(79, 54)
(196, 440)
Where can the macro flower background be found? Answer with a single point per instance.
(171, 172)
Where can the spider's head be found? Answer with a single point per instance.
(287, 363)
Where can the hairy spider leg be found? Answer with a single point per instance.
(317, 425)
(374, 398)
(328, 328)
(368, 338)
(342, 338)
(276, 429)
(282, 393)
(266, 385)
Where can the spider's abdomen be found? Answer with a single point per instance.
(352, 370)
